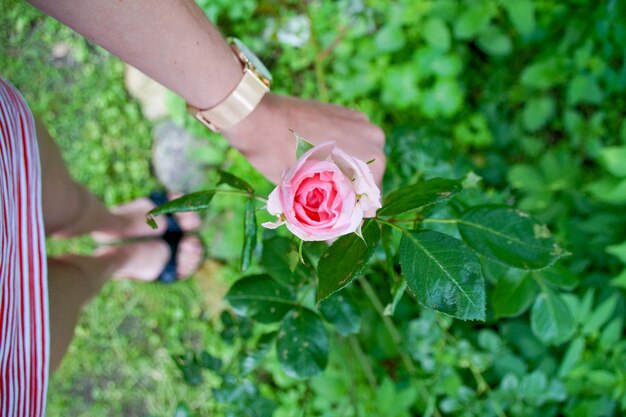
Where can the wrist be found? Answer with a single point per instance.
(242, 134)
(243, 99)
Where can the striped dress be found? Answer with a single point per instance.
(24, 333)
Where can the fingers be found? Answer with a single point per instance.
(355, 134)
(264, 137)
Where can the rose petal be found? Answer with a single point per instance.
(273, 202)
(320, 152)
(273, 225)
(363, 180)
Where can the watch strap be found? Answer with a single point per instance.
(239, 104)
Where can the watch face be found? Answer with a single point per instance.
(253, 59)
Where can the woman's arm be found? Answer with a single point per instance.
(174, 43)
(171, 41)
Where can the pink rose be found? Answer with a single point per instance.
(325, 195)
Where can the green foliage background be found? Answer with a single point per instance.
(529, 95)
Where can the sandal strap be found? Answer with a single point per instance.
(169, 274)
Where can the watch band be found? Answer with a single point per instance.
(239, 104)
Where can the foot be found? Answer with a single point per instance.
(144, 261)
(130, 222)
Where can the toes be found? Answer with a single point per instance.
(187, 221)
(190, 256)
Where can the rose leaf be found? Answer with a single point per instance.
(346, 259)
(443, 274)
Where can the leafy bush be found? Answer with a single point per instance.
(526, 95)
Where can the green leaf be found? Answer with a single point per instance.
(390, 38)
(614, 160)
(182, 410)
(559, 277)
(418, 195)
(608, 190)
(474, 131)
(303, 145)
(443, 274)
(543, 74)
(572, 356)
(302, 344)
(443, 99)
(495, 42)
(278, 259)
(235, 182)
(522, 14)
(261, 298)
(340, 310)
(346, 259)
(191, 202)
(611, 334)
(619, 251)
(190, 367)
(400, 86)
(209, 361)
(509, 236)
(620, 280)
(584, 89)
(253, 359)
(511, 296)
(527, 178)
(601, 315)
(601, 379)
(537, 112)
(249, 235)
(436, 33)
(551, 319)
(472, 21)
(241, 397)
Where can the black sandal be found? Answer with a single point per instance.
(172, 236)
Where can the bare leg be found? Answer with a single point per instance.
(74, 280)
(68, 291)
(70, 210)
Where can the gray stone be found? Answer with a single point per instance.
(174, 161)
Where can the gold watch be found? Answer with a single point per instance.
(244, 98)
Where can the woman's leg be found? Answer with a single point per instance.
(74, 280)
(70, 210)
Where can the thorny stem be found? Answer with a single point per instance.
(395, 335)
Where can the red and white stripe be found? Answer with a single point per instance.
(24, 327)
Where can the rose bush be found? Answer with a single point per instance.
(325, 195)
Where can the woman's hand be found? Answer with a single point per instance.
(264, 137)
